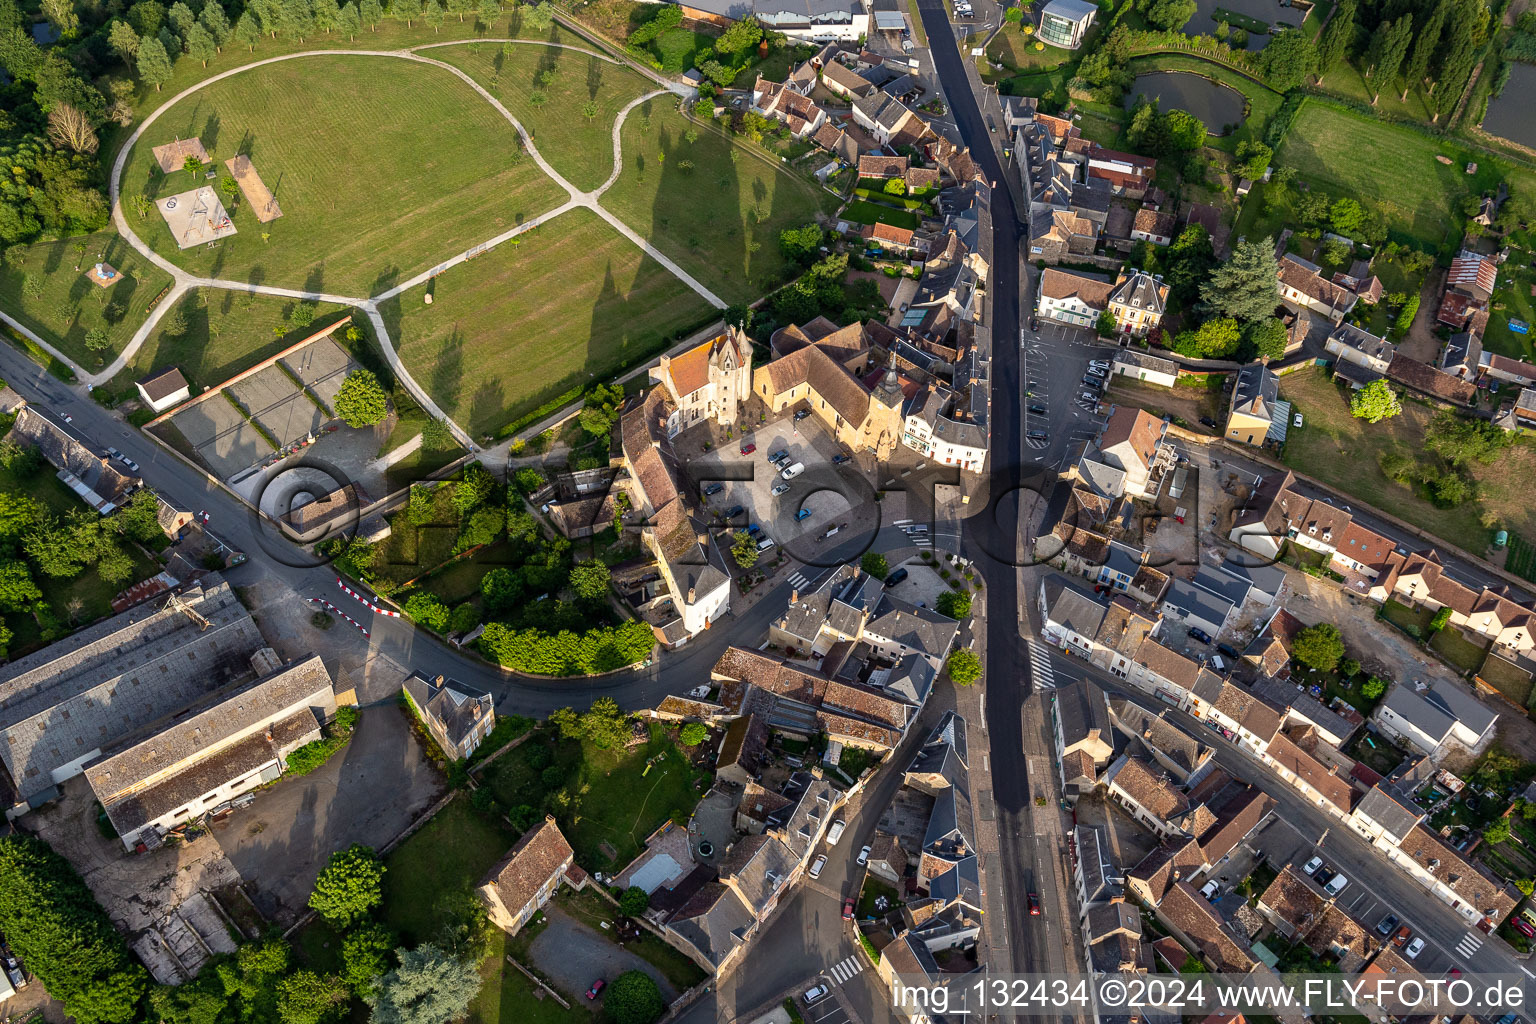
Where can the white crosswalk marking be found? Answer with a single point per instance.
(845, 969)
(799, 579)
(1040, 663)
(1469, 944)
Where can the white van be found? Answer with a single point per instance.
(836, 831)
(1335, 885)
(790, 472)
(765, 543)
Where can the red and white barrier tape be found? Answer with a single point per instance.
(332, 608)
(364, 600)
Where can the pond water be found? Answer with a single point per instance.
(1214, 104)
(1511, 114)
(44, 33)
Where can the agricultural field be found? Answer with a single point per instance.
(1342, 452)
(548, 90)
(437, 171)
(568, 302)
(713, 205)
(44, 291)
(1343, 151)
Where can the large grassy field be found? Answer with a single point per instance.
(577, 146)
(438, 865)
(59, 303)
(226, 333)
(712, 205)
(415, 167)
(1345, 152)
(1345, 453)
(530, 319)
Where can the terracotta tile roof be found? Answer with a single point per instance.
(1059, 127)
(887, 233)
(1425, 378)
(1219, 830)
(1078, 764)
(1294, 275)
(1304, 766)
(1091, 547)
(1337, 932)
(1168, 664)
(1293, 901)
(1477, 890)
(1155, 871)
(1200, 923)
(536, 858)
(1125, 626)
(1151, 789)
(166, 382)
(1150, 581)
(1139, 427)
(850, 80)
(1469, 270)
(690, 371)
(771, 675)
(845, 729)
(1154, 222)
(824, 375)
(865, 704)
(1364, 546)
(874, 165)
(1063, 284)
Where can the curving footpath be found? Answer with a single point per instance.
(182, 281)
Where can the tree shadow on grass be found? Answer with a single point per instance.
(594, 76)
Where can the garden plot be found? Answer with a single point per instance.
(226, 442)
(277, 404)
(322, 366)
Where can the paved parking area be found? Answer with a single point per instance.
(923, 584)
(575, 956)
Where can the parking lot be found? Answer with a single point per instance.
(826, 1010)
(1061, 409)
(824, 495)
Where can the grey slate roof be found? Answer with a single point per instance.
(1072, 606)
(1139, 290)
(961, 882)
(921, 629)
(73, 455)
(458, 707)
(1390, 808)
(1435, 711)
(95, 688)
(1083, 710)
(714, 921)
(912, 678)
(1197, 602)
(1266, 579)
(1256, 391)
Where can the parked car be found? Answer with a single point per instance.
(802, 414)
(712, 489)
(1101, 364)
(1228, 650)
(863, 857)
(836, 831)
(1297, 421)
(1088, 396)
(1323, 876)
(803, 513)
(1524, 927)
(895, 577)
(597, 986)
(734, 511)
(790, 472)
(765, 543)
(1038, 410)
(1207, 421)
(1038, 435)
(1335, 885)
(1034, 324)
(778, 489)
(1414, 949)
(1401, 938)
(1034, 904)
(125, 460)
(841, 458)
(817, 865)
(753, 529)
(848, 908)
(814, 993)
(1387, 924)
(1312, 865)
(779, 456)
(831, 532)
(1196, 633)
(1210, 890)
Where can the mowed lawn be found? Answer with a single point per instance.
(1345, 152)
(579, 147)
(61, 304)
(719, 218)
(382, 167)
(226, 332)
(427, 877)
(1345, 453)
(567, 303)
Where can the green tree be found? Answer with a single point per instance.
(1171, 15)
(97, 339)
(361, 401)
(691, 735)
(349, 887)
(954, 603)
(53, 547)
(1183, 131)
(436, 436)
(426, 609)
(1403, 323)
(1373, 687)
(123, 40)
(538, 17)
(1426, 40)
(216, 22)
(1458, 55)
(114, 565)
(964, 666)
(636, 900)
(1287, 59)
(348, 20)
(528, 480)
(875, 564)
(1396, 38)
(604, 724)
(153, 63)
(1459, 440)
(1253, 157)
(473, 488)
(482, 527)
(1246, 286)
(600, 409)
(365, 956)
(372, 12)
(633, 998)
(590, 580)
(1320, 646)
(1336, 38)
(61, 14)
(744, 549)
(1346, 216)
(1106, 324)
(304, 997)
(1497, 832)
(1268, 337)
(801, 245)
(1498, 769)
(429, 986)
(247, 31)
(200, 45)
(1375, 402)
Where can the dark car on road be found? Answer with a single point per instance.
(1196, 633)
(802, 414)
(713, 489)
(734, 511)
(779, 456)
(895, 577)
(840, 458)
(1207, 421)
(1038, 410)
(1387, 924)
(1228, 650)
(1034, 324)
(1038, 435)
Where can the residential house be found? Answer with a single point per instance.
(1083, 734)
(887, 860)
(1361, 551)
(1302, 284)
(888, 120)
(1196, 924)
(1130, 445)
(713, 926)
(1064, 23)
(1291, 904)
(456, 715)
(1437, 720)
(1137, 301)
(1386, 816)
(1207, 601)
(1070, 297)
(1146, 794)
(164, 389)
(1361, 347)
(1155, 226)
(1480, 900)
(891, 238)
(209, 755)
(86, 469)
(1146, 368)
(698, 583)
(1334, 726)
(778, 102)
(1468, 287)
(941, 426)
(880, 167)
(1270, 651)
(1255, 406)
(1319, 783)
(742, 749)
(1070, 616)
(1057, 235)
(845, 82)
(1503, 368)
(1519, 414)
(707, 383)
(943, 759)
(811, 21)
(1127, 174)
(863, 418)
(1175, 751)
(1427, 379)
(62, 706)
(1463, 355)
(525, 879)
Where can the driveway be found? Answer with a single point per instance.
(574, 956)
(368, 793)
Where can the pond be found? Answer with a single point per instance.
(1510, 114)
(1214, 104)
(44, 33)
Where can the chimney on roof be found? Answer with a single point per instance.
(794, 596)
(691, 592)
(439, 680)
